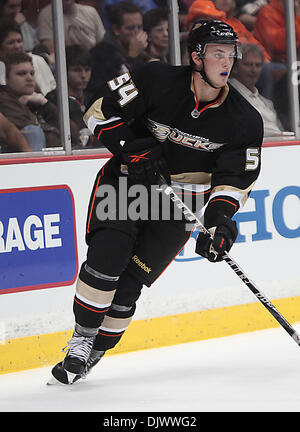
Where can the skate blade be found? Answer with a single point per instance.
(71, 380)
(53, 381)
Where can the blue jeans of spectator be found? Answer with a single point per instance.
(35, 137)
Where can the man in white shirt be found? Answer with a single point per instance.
(82, 24)
(244, 77)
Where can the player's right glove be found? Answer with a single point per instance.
(221, 238)
(144, 165)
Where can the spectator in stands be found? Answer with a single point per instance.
(11, 139)
(31, 112)
(78, 60)
(12, 9)
(125, 40)
(82, 24)
(245, 76)
(156, 26)
(11, 41)
(247, 10)
(31, 8)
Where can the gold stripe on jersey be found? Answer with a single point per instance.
(95, 111)
(94, 117)
(240, 195)
(222, 98)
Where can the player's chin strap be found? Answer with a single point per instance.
(204, 76)
(191, 217)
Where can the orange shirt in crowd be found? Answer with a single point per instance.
(269, 29)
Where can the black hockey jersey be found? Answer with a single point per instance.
(216, 143)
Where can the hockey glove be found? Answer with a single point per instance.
(143, 166)
(221, 239)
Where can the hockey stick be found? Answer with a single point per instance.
(191, 217)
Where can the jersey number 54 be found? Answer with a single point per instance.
(126, 88)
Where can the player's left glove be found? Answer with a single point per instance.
(144, 165)
(221, 239)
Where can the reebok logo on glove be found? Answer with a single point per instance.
(137, 158)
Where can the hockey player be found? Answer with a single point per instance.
(188, 124)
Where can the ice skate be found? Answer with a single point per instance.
(65, 377)
(75, 363)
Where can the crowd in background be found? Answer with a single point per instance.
(105, 38)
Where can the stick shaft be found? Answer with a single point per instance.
(191, 217)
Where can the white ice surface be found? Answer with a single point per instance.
(251, 372)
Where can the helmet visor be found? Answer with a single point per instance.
(236, 53)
